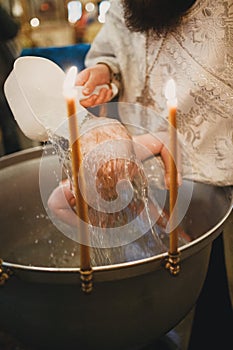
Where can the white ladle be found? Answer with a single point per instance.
(34, 91)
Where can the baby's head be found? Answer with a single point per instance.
(108, 156)
(115, 183)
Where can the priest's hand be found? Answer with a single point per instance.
(92, 77)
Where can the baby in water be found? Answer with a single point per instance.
(110, 171)
(115, 182)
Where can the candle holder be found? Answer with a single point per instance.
(86, 277)
(4, 275)
(172, 263)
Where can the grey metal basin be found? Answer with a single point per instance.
(132, 303)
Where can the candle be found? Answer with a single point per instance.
(70, 94)
(170, 94)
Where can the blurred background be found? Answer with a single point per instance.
(57, 22)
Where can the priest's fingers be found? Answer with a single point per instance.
(103, 96)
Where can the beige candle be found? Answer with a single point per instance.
(70, 95)
(170, 93)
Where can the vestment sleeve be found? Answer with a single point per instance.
(103, 47)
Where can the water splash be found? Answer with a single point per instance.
(114, 177)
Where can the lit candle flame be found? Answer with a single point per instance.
(69, 90)
(170, 93)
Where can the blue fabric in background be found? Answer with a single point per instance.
(64, 56)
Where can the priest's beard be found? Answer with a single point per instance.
(156, 15)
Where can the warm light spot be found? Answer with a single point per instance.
(45, 7)
(90, 7)
(103, 9)
(35, 22)
(17, 9)
(74, 11)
